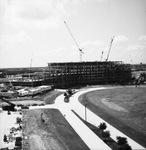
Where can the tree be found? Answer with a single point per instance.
(18, 120)
(5, 138)
(123, 144)
(65, 94)
(69, 91)
(125, 147)
(105, 135)
(102, 126)
(121, 140)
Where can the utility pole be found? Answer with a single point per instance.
(80, 50)
(30, 70)
(85, 112)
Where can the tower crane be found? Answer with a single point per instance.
(80, 50)
(101, 55)
(31, 61)
(110, 48)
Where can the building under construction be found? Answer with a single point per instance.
(87, 73)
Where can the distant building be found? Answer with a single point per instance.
(139, 67)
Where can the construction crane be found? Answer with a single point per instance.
(8, 79)
(11, 106)
(30, 64)
(80, 50)
(110, 48)
(101, 55)
(31, 61)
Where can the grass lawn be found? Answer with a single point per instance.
(122, 107)
(51, 133)
(50, 97)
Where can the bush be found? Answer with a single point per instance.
(105, 134)
(121, 140)
(102, 126)
(69, 91)
(18, 120)
(125, 147)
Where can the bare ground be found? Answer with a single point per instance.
(46, 98)
(124, 108)
(51, 133)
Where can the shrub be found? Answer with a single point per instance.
(18, 120)
(102, 126)
(105, 134)
(125, 147)
(121, 140)
(69, 91)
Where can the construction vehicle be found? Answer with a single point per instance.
(10, 107)
(110, 48)
(140, 79)
(68, 94)
(8, 90)
(80, 50)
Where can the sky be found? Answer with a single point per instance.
(33, 32)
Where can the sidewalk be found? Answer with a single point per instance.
(91, 139)
(95, 120)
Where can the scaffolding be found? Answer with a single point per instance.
(71, 74)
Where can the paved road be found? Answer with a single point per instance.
(74, 104)
(93, 141)
(94, 119)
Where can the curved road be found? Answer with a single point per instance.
(93, 141)
(95, 120)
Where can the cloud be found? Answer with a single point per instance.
(34, 13)
(142, 39)
(78, 1)
(90, 43)
(120, 38)
(136, 47)
(8, 40)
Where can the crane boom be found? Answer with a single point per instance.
(2, 99)
(110, 47)
(80, 50)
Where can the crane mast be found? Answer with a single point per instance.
(101, 55)
(110, 48)
(80, 50)
(31, 61)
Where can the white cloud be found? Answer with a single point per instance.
(136, 47)
(90, 43)
(120, 38)
(8, 40)
(142, 38)
(34, 13)
(78, 1)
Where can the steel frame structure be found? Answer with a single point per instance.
(69, 74)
